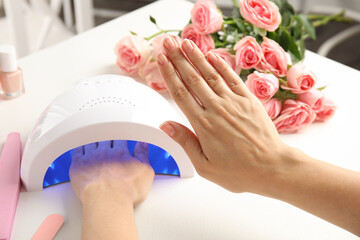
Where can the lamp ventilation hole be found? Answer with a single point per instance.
(106, 100)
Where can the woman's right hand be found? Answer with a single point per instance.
(235, 143)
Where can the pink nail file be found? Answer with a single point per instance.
(49, 227)
(9, 183)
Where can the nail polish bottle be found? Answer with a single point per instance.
(11, 81)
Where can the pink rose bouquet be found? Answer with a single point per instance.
(263, 41)
(299, 79)
(248, 53)
(274, 58)
(294, 116)
(151, 74)
(273, 107)
(204, 41)
(262, 85)
(132, 52)
(225, 54)
(157, 43)
(205, 17)
(261, 13)
(314, 98)
(327, 110)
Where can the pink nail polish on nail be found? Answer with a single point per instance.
(169, 43)
(162, 59)
(168, 129)
(187, 46)
(211, 56)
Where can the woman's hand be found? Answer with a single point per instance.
(110, 182)
(235, 143)
(108, 167)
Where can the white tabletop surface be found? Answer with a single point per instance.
(179, 208)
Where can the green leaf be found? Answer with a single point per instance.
(293, 47)
(322, 88)
(260, 31)
(133, 33)
(284, 40)
(288, 43)
(309, 28)
(236, 13)
(240, 25)
(301, 44)
(285, 19)
(273, 36)
(153, 20)
(298, 27)
(287, 7)
(235, 4)
(278, 3)
(283, 95)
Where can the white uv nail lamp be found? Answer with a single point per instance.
(106, 107)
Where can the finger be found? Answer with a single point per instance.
(232, 79)
(188, 73)
(211, 76)
(78, 153)
(187, 140)
(141, 152)
(121, 146)
(88, 148)
(104, 144)
(181, 95)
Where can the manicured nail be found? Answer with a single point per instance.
(168, 129)
(162, 59)
(211, 57)
(169, 43)
(187, 46)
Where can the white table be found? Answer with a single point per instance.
(179, 208)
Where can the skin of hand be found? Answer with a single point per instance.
(232, 128)
(110, 183)
(236, 145)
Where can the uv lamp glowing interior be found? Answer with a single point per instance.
(106, 107)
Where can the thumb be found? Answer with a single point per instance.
(141, 152)
(187, 140)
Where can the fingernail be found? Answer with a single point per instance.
(211, 57)
(187, 46)
(168, 129)
(162, 59)
(169, 43)
(143, 144)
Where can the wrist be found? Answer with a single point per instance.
(288, 165)
(100, 192)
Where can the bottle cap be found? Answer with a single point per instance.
(7, 58)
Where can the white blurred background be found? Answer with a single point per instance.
(32, 25)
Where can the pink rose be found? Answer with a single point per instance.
(294, 116)
(299, 79)
(205, 17)
(273, 107)
(151, 74)
(204, 42)
(262, 85)
(248, 53)
(228, 57)
(327, 111)
(157, 43)
(314, 98)
(274, 58)
(261, 13)
(132, 51)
